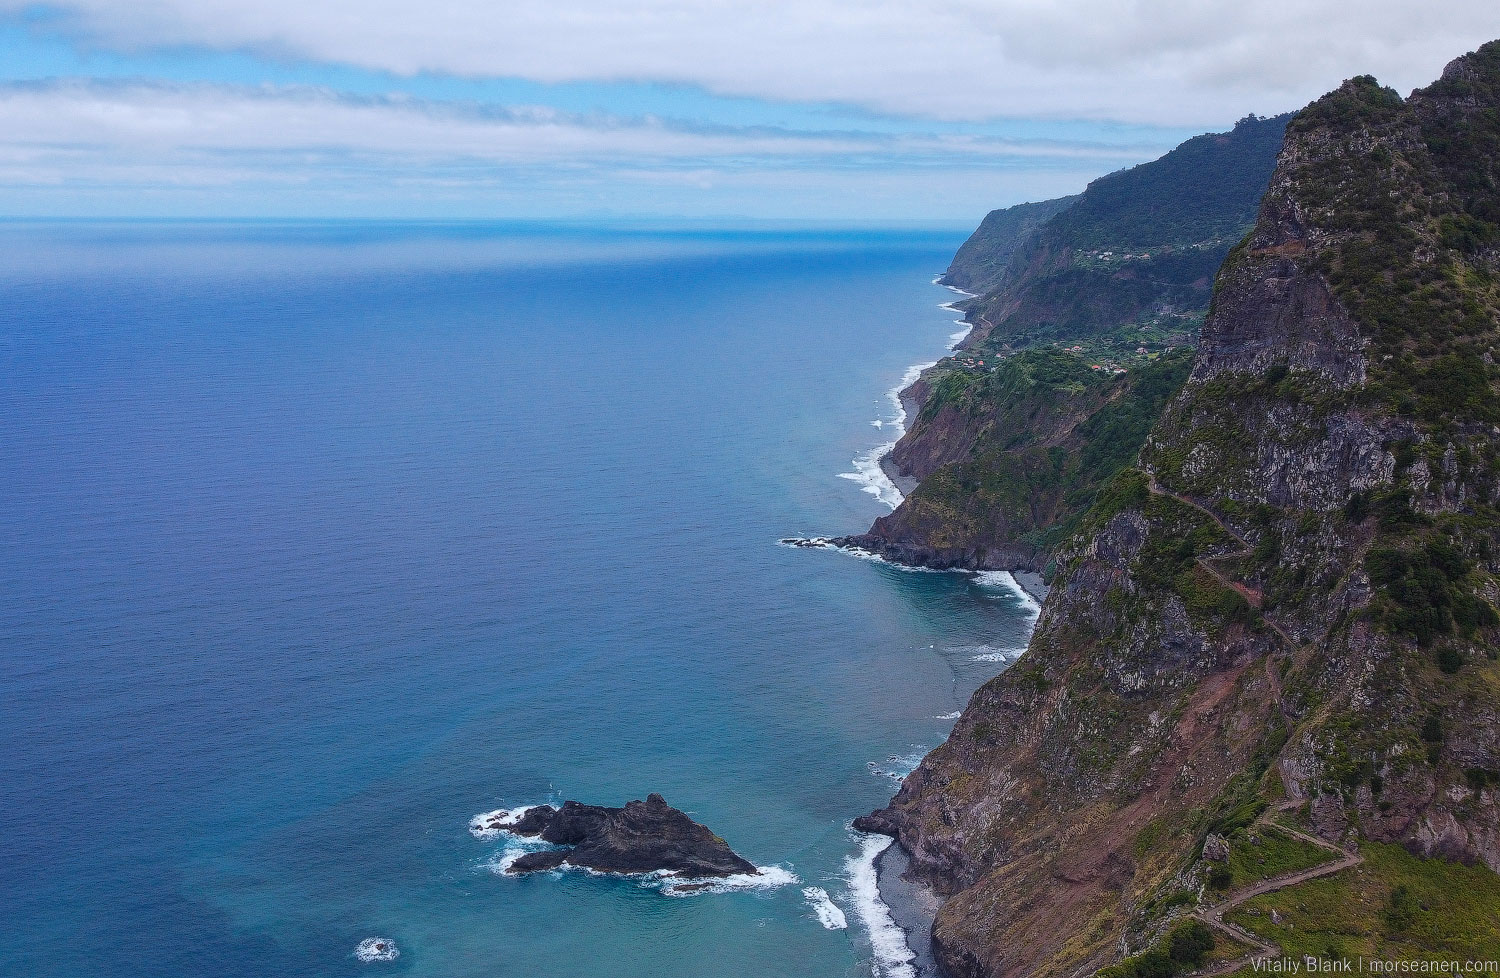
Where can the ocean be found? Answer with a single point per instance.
(321, 538)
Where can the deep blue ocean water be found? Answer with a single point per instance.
(319, 539)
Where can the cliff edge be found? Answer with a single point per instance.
(1290, 599)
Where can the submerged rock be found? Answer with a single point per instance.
(643, 837)
(377, 949)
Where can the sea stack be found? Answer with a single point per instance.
(642, 837)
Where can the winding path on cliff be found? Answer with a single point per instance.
(1214, 916)
(1251, 595)
(1156, 488)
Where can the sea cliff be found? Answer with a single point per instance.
(1283, 609)
(1088, 309)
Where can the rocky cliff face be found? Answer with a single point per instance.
(1292, 595)
(1076, 345)
(1136, 247)
(1009, 458)
(980, 263)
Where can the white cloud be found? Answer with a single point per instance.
(136, 121)
(91, 147)
(1164, 61)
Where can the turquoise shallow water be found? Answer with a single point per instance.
(320, 539)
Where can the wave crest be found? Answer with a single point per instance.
(827, 912)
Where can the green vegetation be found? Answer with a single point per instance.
(1432, 320)
(1127, 490)
(1264, 852)
(980, 263)
(1130, 263)
(1173, 558)
(1422, 592)
(1052, 433)
(1239, 817)
(1039, 375)
(1184, 949)
(1207, 188)
(1394, 906)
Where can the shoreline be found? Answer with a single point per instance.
(912, 906)
(908, 904)
(885, 482)
(881, 479)
(1028, 582)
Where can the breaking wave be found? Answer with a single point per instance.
(765, 878)
(893, 958)
(492, 825)
(1006, 581)
(827, 912)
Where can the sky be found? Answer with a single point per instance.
(851, 111)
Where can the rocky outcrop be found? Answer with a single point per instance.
(642, 837)
(1290, 596)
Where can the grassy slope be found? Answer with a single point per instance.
(1263, 852)
(1394, 906)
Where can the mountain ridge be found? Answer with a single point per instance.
(1048, 397)
(1289, 600)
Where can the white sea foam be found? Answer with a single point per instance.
(990, 653)
(668, 882)
(938, 280)
(764, 878)
(949, 716)
(892, 957)
(907, 763)
(867, 471)
(965, 326)
(377, 949)
(823, 907)
(900, 765)
(872, 478)
(491, 825)
(501, 862)
(1006, 581)
(826, 543)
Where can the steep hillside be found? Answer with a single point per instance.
(1288, 603)
(1073, 353)
(1037, 437)
(981, 261)
(1137, 248)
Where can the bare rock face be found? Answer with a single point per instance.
(642, 837)
(1216, 848)
(1234, 621)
